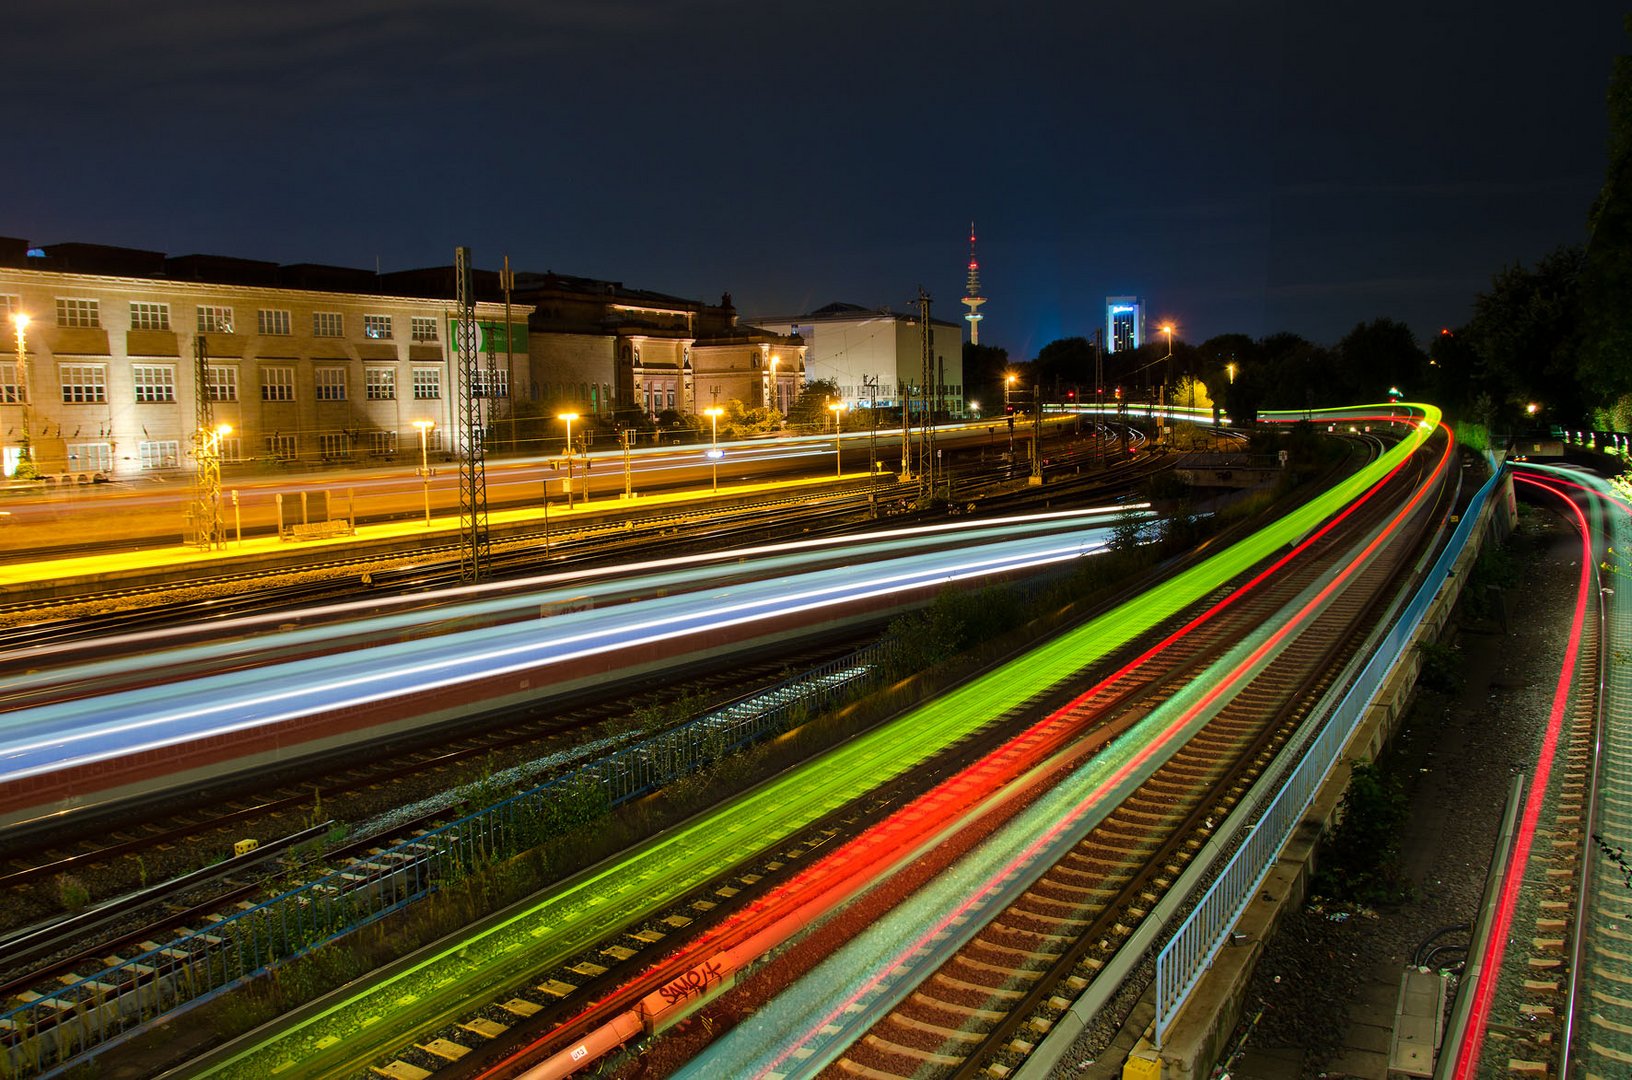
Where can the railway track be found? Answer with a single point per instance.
(207, 825)
(1135, 690)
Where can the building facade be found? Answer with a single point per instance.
(120, 345)
(319, 365)
(1124, 323)
(860, 348)
(608, 349)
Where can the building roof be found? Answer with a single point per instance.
(839, 311)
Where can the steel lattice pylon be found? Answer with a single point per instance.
(207, 528)
(477, 556)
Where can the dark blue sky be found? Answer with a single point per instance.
(1254, 166)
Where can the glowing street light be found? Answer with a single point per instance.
(1167, 328)
(1230, 367)
(424, 427)
(713, 414)
(569, 417)
(837, 409)
(25, 458)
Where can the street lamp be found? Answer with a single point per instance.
(837, 409)
(569, 417)
(713, 414)
(424, 427)
(25, 458)
(1230, 367)
(1167, 328)
(776, 394)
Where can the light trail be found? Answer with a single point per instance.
(1484, 990)
(248, 634)
(991, 876)
(51, 738)
(668, 866)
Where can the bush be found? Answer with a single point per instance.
(1361, 860)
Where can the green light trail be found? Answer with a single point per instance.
(403, 1005)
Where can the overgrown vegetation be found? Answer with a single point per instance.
(1361, 859)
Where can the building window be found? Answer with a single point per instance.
(427, 384)
(10, 392)
(423, 328)
(278, 384)
(281, 447)
(380, 383)
(222, 382)
(231, 449)
(495, 380)
(272, 322)
(328, 324)
(331, 384)
(334, 444)
(382, 442)
(214, 320)
(90, 457)
(9, 304)
(84, 383)
(377, 326)
(154, 382)
(159, 454)
(146, 316)
(82, 313)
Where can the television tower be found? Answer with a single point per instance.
(972, 299)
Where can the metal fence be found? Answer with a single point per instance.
(1183, 960)
(47, 1030)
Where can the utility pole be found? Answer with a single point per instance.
(1036, 434)
(207, 529)
(507, 281)
(926, 442)
(627, 434)
(1099, 391)
(906, 432)
(477, 555)
(870, 382)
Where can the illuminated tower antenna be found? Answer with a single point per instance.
(972, 299)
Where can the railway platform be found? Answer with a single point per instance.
(45, 578)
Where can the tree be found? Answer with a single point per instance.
(1379, 356)
(1065, 364)
(1526, 333)
(983, 369)
(1606, 272)
(809, 410)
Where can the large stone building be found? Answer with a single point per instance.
(609, 347)
(320, 364)
(858, 348)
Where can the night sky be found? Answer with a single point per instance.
(1252, 166)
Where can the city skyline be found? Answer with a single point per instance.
(1233, 168)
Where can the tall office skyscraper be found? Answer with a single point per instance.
(1124, 322)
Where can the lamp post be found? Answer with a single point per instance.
(424, 427)
(1008, 412)
(713, 414)
(25, 457)
(1230, 368)
(569, 417)
(776, 394)
(837, 408)
(1167, 328)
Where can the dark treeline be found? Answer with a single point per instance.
(1548, 345)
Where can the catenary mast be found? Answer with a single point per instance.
(972, 299)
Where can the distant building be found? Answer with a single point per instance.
(856, 346)
(326, 364)
(1124, 323)
(606, 348)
